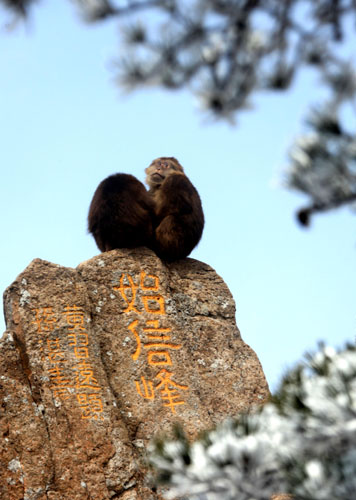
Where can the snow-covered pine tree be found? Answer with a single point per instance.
(303, 442)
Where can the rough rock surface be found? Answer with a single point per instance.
(97, 360)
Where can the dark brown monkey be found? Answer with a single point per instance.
(179, 218)
(120, 214)
(168, 218)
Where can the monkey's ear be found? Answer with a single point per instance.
(176, 162)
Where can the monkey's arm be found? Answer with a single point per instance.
(180, 218)
(178, 196)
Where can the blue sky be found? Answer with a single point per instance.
(65, 126)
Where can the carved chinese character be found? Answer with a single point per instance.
(132, 327)
(45, 319)
(148, 391)
(55, 353)
(81, 352)
(154, 304)
(85, 377)
(169, 389)
(128, 290)
(128, 298)
(91, 406)
(58, 378)
(149, 281)
(61, 392)
(74, 317)
(160, 357)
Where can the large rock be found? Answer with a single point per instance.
(99, 359)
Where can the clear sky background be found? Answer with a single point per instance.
(65, 126)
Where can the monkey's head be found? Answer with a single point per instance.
(160, 169)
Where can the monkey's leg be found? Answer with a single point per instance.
(173, 240)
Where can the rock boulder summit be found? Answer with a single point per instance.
(98, 360)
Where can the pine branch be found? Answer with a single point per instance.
(304, 214)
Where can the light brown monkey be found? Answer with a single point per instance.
(179, 218)
(168, 218)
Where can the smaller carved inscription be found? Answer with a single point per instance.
(69, 380)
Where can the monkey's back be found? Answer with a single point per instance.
(120, 214)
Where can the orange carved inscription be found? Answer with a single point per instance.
(75, 318)
(148, 391)
(132, 327)
(45, 319)
(170, 390)
(85, 377)
(129, 298)
(59, 378)
(149, 281)
(68, 379)
(91, 406)
(154, 304)
(152, 337)
(81, 352)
